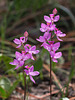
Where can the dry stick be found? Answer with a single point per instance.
(72, 98)
(54, 76)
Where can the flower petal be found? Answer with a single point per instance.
(32, 57)
(41, 39)
(17, 67)
(26, 49)
(21, 63)
(47, 19)
(27, 56)
(56, 18)
(42, 29)
(33, 48)
(52, 53)
(26, 71)
(43, 25)
(35, 73)
(61, 35)
(54, 60)
(18, 55)
(47, 35)
(31, 68)
(59, 39)
(15, 62)
(56, 46)
(22, 39)
(17, 41)
(46, 46)
(32, 79)
(58, 55)
(18, 46)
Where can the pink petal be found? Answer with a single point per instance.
(36, 51)
(52, 27)
(56, 18)
(26, 71)
(15, 62)
(41, 39)
(17, 41)
(17, 67)
(42, 29)
(31, 68)
(32, 79)
(51, 16)
(35, 73)
(21, 63)
(54, 60)
(33, 48)
(56, 46)
(32, 57)
(52, 53)
(46, 46)
(22, 39)
(43, 25)
(59, 39)
(27, 56)
(47, 19)
(58, 55)
(47, 35)
(18, 46)
(18, 55)
(61, 35)
(26, 49)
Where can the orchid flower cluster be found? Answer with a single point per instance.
(27, 53)
(46, 39)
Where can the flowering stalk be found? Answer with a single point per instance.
(26, 53)
(24, 84)
(49, 28)
(50, 76)
(50, 73)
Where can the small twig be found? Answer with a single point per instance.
(15, 98)
(72, 98)
(47, 94)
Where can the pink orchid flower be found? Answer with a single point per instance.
(30, 71)
(19, 41)
(55, 56)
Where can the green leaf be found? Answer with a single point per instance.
(2, 93)
(72, 71)
(13, 87)
(38, 64)
(7, 60)
(5, 83)
(21, 78)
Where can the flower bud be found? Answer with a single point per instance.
(55, 11)
(26, 34)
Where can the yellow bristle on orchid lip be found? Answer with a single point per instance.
(23, 51)
(29, 45)
(48, 23)
(28, 67)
